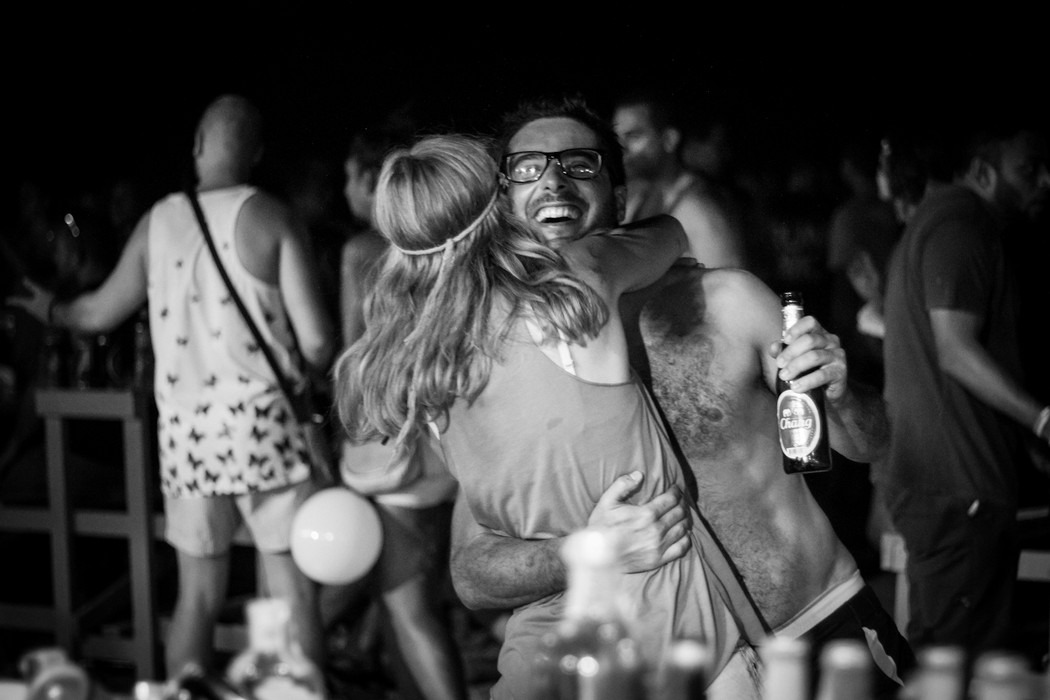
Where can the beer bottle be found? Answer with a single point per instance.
(941, 674)
(591, 653)
(845, 671)
(684, 671)
(1002, 675)
(785, 664)
(802, 422)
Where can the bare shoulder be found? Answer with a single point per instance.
(361, 254)
(268, 216)
(363, 247)
(739, 297)
(264, 226)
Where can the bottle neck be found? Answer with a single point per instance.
(592, 592)
(791, 313)
(786, 675)
(269, 638)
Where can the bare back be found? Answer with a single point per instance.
(706, 333)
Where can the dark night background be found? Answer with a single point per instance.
(97, 97)
(91, 98)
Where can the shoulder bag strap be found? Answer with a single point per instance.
(282, 380)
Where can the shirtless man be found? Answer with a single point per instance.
(713, 340)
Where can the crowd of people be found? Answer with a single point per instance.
(569, 322)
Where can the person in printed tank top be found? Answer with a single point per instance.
(230, 450)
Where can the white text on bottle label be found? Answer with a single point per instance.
(800, 428)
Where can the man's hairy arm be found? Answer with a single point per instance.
(496, 571)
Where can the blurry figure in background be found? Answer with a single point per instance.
(796, 214)
(68, 251)
(961, 411)
(410, 579)
(901, 176)
(863, 227)
(230, 451)
(312, 188)
(861, 234)
(128, 199)
(659, 183)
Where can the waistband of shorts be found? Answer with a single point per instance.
(826, 603)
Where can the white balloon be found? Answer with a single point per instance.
(336, 536)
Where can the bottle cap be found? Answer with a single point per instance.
(845, 654)
(592, 547)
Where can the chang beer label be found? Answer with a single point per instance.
(800, 427)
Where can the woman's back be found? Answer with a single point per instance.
(534, 452)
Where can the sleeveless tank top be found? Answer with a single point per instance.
(224, 426)
(533, 453)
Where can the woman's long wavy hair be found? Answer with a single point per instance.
(435, 322)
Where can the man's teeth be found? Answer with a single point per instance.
(548, 214)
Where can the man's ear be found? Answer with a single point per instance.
(620, 195)
(982, 177)
(198, 143)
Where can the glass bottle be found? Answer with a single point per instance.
(1001, 675)
(845, 671)
(274, 667)
(684, 671)
(801, 417)
(49, 674)
(590, 655)
(785, 663)
(941, 674)
(51, 370)
(142, 372)
(83, 361)
(8, 375)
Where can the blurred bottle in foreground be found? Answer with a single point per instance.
(1001, 675)
(49, 674)
(684, 671)
(591, 653)
(785, 663)
(941, 674)
(845, 671)
(274, 667)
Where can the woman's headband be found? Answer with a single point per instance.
(449, 242)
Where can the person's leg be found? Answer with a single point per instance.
(411, 573)
(200, 530)
(424, 639)
(202, 592)
(269, 518)
(285, 580)
(962, 563)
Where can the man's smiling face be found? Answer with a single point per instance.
(558, 207)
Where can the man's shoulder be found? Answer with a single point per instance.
(954, 214)
(707, 293)
(691, 190)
